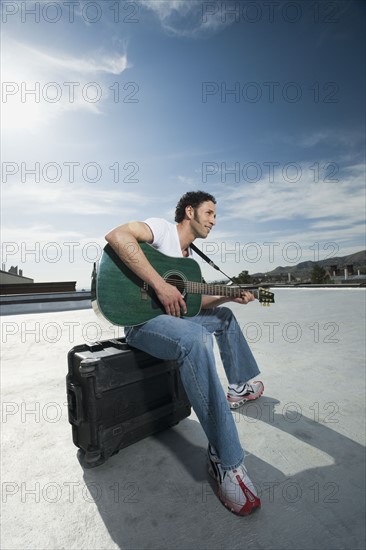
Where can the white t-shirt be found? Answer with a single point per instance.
(166, 238)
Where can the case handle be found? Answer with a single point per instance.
(119, 343)
(75, 404)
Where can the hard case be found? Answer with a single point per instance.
(118, 395)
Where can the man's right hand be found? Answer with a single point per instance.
(171, 299)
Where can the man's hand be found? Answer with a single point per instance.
(245, 298)
(171, 299)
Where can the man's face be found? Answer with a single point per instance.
(203, 219)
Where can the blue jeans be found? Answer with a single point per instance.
(190, 343)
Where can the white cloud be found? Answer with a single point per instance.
(33, 245)
(330, 137)
(187, 18)
(113, 64)
(39, 86)
(306, 199)
(186, 180)
(41, 232)
(323, 220)
(67, 198)
(165, 8)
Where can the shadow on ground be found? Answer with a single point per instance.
(157, 493)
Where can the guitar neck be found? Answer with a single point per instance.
(219, 290)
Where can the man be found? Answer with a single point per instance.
(189, 341)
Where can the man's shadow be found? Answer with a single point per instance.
(157, 493)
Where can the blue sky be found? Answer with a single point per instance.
(135, 103)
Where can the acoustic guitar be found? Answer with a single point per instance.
(126, 300)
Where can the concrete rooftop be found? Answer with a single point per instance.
(304, 440)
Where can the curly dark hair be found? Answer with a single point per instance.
(192, 198)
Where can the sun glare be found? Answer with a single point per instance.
(20, 115)
(21, 102)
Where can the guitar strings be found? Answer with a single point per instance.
(212, 289)
(203, 288)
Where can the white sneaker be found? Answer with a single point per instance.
(238, 395)
(235, 489)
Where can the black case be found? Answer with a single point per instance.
(118, 395)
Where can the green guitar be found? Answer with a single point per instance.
(125, 300)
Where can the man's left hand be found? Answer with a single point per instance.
(245, 298)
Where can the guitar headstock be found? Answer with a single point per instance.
(265, 297)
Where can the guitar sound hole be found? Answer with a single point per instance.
(176, 281)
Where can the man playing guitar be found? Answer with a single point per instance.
(189, 341)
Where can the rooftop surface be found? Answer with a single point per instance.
(304, 440)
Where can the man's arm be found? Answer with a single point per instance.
(214, 301)
(124, 240)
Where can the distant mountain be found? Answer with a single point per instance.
(358, 260)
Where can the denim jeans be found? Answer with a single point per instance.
(189, 341)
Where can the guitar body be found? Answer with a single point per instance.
(125, 300)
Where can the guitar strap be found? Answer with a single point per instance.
(207, 259)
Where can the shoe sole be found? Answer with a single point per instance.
(237, 404)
